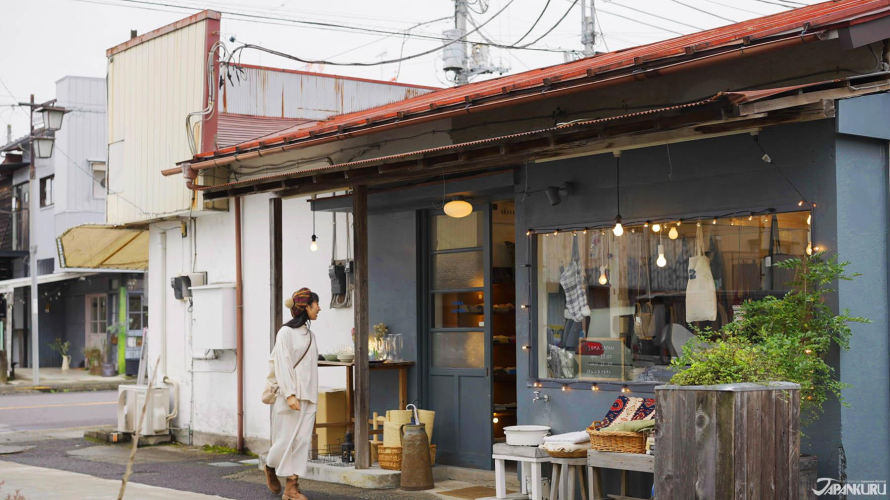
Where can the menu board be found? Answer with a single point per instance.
(601, 358)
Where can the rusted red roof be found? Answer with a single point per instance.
(234, 129)
(816, 17)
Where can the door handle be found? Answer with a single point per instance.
(486, 371)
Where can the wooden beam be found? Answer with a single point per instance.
(812, 97)
(362, 321)
(276, 291)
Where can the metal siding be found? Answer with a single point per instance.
(276, 93)
(152, 87)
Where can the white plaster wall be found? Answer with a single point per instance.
(208, 398)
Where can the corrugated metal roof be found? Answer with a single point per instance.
(806, 19)
(235, 129)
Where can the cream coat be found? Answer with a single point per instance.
(292, 430)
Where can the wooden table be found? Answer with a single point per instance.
(401, 366)
(596, 460)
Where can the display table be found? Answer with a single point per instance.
(530, 459)
(562, 480)
(597, 460)
(401, 366)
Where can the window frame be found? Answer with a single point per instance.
(50, 180)
(95, 182)
(532, 380)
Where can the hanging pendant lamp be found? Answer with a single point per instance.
(618, 230)
(458, 208)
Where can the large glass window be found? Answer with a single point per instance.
(620, 308)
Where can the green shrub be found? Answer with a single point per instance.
(775, 339)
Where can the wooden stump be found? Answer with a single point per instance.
(733, 441)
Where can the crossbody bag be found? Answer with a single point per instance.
(270, 393)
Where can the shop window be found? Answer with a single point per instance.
(138, 313)
(99, 177)
(458, 349)
(46, 191)
(98, 314)
(627, 317)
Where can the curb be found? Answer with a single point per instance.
(82, 387)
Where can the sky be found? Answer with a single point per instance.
(45, 40)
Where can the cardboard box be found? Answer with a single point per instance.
(331, 408)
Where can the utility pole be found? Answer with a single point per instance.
(454, 55)
(33, 210)
(588, 28)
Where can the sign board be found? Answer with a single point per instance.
(601, 358)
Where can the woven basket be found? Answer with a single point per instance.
(427, 417)
(567, 454)
(616, 441)
(390, 457)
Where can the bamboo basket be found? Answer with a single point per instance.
(616, 441)
(427, 418)
(392, 434)
(390, 457)
(567, 454)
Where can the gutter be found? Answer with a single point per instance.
(187, 169)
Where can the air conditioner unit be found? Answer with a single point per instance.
(130, 401)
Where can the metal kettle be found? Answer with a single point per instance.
(417, 472)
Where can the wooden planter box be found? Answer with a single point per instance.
(725, 442)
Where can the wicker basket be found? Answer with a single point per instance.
(567, 454)
(616, 441)
(390, 457)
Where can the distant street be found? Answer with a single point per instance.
(29, 412)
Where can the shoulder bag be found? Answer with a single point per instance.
(270, 393)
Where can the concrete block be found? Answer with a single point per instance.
(374, 478)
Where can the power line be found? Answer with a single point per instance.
(734, 7)
(561, 19)
(639, 22)
(703, 11)
(656, 16)
(774, 3)
(541, 15)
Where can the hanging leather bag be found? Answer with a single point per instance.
(270, 392)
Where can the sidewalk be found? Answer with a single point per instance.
(36, 483)
(54, 379)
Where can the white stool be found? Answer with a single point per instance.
(529, 458)
(562, 481)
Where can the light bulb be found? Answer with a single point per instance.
(673, 234)
(679, 222)
(565, 388)
(528, 233)
(809, 219)
(809, 249)
(661, 261)
(618, 230)
(603, 280)
(751, 217)
(714, 221)
(313, 246)
(594, 387)
(656, 228)
(495, 420)
(646, 224)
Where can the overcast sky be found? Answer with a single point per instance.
(42, 41)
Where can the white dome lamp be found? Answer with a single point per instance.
(458, 208)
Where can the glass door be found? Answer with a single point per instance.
(459, 337)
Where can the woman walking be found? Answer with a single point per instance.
(294, 367)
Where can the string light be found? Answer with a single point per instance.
(808, 351)
(528, 233)
(714, 221)
(495, 420)
(809, 219)
(809, 248)
(656, 228)
(800, 203)
(646, 224)
(525, 347)
(556, 232)
(673, 233)
(603, 279)
(585, 231)
(575, 233)
(679, 222)
(698, 223)
(594, 387)
(625, 389)
(751, 217)
(565, 387)
(524, 306)
(817, 249)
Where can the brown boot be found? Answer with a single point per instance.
(272, 480)
(292, 489)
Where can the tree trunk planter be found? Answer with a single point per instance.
(732, 441)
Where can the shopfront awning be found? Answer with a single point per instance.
(10, 285)
(103, 247)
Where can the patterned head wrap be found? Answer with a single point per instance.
(298, 302)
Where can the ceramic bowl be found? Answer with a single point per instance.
(346, 357)
(330, 357)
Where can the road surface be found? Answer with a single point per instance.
(30, 412)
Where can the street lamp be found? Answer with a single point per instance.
(43, 146)
(52, 116)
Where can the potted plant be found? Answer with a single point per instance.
(758, 378)
(62, 348)
(108, 355)
(93, 357)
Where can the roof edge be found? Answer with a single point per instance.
(343, 77)
(163, 30)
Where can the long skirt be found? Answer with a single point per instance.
(291, 437)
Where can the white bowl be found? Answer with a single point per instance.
(526, 435)
(346, 357)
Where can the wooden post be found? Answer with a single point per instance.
(362, 376)
(276, 297)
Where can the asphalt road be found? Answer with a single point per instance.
(29, 412)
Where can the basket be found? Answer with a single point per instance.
(567, 454)
(390, 457)
(616, 441)
(427, 417)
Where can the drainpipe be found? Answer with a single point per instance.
(239, 324)
(162, 306)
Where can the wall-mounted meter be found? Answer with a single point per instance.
(181, 284)
(337, 273)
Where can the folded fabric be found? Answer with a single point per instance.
(569, 437)
(566, 446)
(632, 426)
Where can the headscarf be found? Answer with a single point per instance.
(298, 302)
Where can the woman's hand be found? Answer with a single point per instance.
(294, 403)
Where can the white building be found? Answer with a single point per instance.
(155, 81)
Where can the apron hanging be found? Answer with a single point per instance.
(701, 294)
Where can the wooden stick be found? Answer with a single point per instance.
(129, 471)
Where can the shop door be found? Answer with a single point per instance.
(96, 320)
(458, 337)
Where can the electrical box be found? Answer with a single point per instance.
(183, 283)
(337, 273)
(214, 314)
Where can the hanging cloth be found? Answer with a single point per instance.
(701, 294)
(774, 277)
(575, 288)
